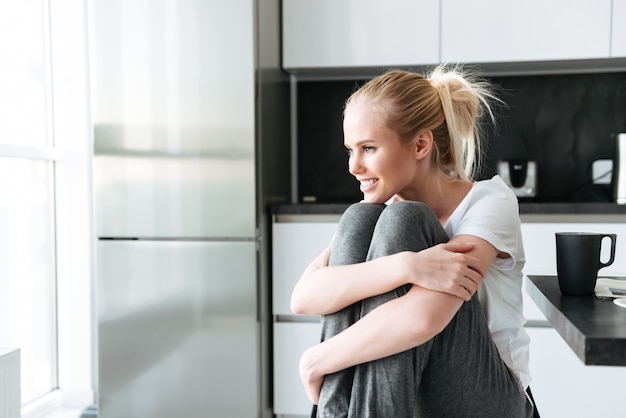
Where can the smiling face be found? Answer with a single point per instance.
(382, 164)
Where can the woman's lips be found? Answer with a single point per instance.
(368, 184)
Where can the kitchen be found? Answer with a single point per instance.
(545, 65)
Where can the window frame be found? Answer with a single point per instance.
(72, 154)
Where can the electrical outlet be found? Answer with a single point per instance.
(602, 171)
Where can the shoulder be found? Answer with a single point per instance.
(492, 204)
(495, 186)
(494, 193)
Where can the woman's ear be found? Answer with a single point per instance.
(423, 144)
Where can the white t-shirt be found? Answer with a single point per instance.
(490, 211)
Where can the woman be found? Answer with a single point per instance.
(403, 332)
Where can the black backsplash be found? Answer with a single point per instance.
(563, 122)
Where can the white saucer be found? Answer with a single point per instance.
(620, 302)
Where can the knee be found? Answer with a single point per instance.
(411, 211)
(409, 205)
(362, 210)
(412, 219)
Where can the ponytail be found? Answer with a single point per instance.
(465, 100)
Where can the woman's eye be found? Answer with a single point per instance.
(349, 152)
(368, 150)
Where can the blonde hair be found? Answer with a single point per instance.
(449, 102)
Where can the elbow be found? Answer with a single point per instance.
(296, 307)
(303, 309)
(303, 305)
(299, 305)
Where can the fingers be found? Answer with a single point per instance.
(473, 263)
(459, 246)
(460, 292)
(462, 288)
(464, 282)
(465, 294)
(477, 270)
(312, 383)
(470, 288)
(476, 267)
(447, 268)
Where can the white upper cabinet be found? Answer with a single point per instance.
(533, 30)
(618, 41)
(360, 33)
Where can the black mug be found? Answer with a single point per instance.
(578, 261)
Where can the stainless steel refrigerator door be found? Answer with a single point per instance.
(178, 333)
(174, 117)
(174, 197)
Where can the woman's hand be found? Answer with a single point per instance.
(311, 381)
(447, 268)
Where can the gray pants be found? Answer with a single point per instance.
(458, 373)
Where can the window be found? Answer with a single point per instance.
(46, 226)
(27, 240)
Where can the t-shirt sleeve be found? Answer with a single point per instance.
(493, 215)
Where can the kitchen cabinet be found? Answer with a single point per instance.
(324, 34)
(564, 387)
(294, 246)
(618, 40)
(290, 341)
(485, 31)
(364, 33)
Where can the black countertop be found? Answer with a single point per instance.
(526, 208)
(595, 329)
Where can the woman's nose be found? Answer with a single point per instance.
(354, 164)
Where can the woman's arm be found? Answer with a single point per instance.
(324, 289)
(393, 327)
(449, 268)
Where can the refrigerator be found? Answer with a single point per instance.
(175, 184)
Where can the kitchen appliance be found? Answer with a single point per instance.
(520, 175)
(618, 181)
(176, 210)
